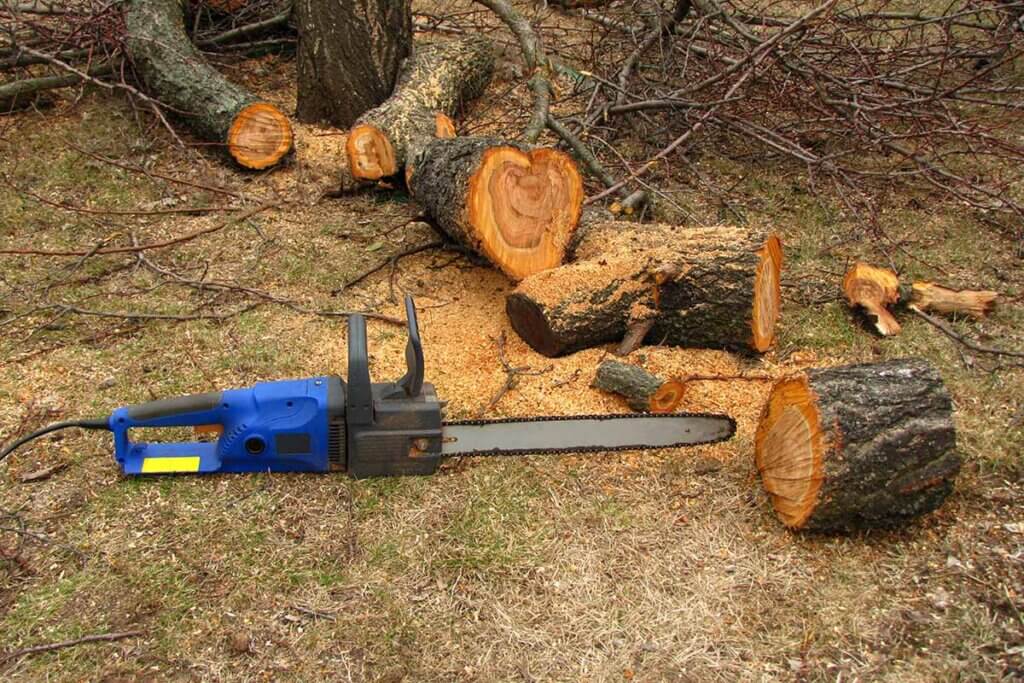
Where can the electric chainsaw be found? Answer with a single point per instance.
(366, 428)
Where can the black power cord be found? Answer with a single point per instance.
(98, 423)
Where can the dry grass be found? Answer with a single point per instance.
(623, 567)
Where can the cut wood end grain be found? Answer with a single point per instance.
(260, 136)
(767, 295)
(370, 154)
(444, 127)
(788, 450)
(874, 289)
(524, 207)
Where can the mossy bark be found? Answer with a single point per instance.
(889, 443)
(438, 78)
(349, 55)
(696, 284)
(176, 74)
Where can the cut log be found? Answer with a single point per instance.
(349, 55)
(857, 446)
(712, 287)
(516, 206)
(257, 134)
(874, 289)
(434, 83)
(643, 391)
(935, 298)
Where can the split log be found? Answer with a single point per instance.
(349, 55)
(514, 205)
(643, 391)
(874, 289)
(857, 446)
(434, 83)
(928, 296)
(257, 134)
(712, 287)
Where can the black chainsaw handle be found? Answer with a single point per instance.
(412, 382)
(359, 394)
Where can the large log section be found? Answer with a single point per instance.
(257, 134)
(712, 287)
(514, 205)
(434, 83)
(348, 56)
(857, 446)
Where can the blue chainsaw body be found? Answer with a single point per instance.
(270, 427)
(318, 424)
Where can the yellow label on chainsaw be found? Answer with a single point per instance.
(169, 465)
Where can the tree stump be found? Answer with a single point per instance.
(857, 446)
(700, 287)
(348, 56)
(643, 391)
(434, 83)
(257, 134)
(516, 206)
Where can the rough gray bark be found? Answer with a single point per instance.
(633, 383)
(349, 54)
(437, 79)
(176, 73)
(697, 284)
(888, 443)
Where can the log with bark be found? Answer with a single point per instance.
(349, 55)
(257, 134)
(515, 205)
(714, 287)
(433, 85)
(857, 446)
(874, 290)
(643, 391)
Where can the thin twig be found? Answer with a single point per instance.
(50, 647)
(943, 327)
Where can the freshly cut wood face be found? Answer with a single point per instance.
(789, 451)
(524, 207)
(873, 289)
(370, 154)
(259, 136)
(767, 295)
(668, 396)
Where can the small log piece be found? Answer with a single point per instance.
(257, 134)
(712, 287)
(433, 84)
(874, 289)
(935, 298)
(643, 391)
(516, 206)
(857, 446)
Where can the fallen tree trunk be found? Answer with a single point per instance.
(434, 83)
(516, 206)
(702, 287)
(349, 55)
(857, 446)
(643, 391)
(257, 134)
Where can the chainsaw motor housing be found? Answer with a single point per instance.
(317, 424)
